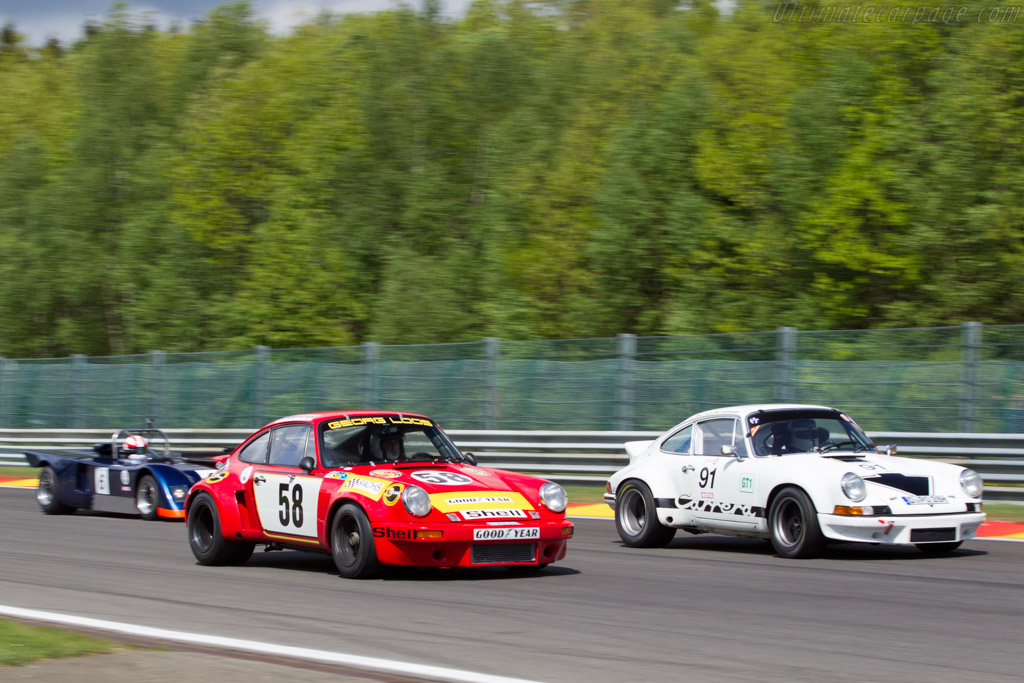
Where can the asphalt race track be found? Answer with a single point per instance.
(705, 608)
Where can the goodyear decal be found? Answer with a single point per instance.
(379, 420)
(364, 486)
(479, 500)
(393, 494)
(217, 476)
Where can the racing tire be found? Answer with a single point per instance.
(46, 493)
(636, 518)
(147, 497)
(793, 522)
(352, 544)
(205, 539)
(938, 548)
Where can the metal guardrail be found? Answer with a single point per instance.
(576, 457)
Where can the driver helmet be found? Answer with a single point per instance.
(391, 445)
(803, 435)
(135, 445)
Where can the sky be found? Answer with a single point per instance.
(40, 20)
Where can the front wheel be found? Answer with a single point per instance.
(938, 548)
(794, 525)
(46, 494)
(147, 497)
(636, 518)
(352, 545)
(205, 539)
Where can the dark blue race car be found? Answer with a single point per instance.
(126, 475)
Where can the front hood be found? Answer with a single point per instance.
(890, 478)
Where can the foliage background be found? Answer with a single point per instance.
(557, 169)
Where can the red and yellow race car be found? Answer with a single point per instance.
(373, 488)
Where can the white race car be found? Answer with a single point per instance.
(799, 475)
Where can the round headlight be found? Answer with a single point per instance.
(972, 483)
(554, 497)
(854, 487)
(416, 501)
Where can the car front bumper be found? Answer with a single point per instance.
(897, 529)
(397, 543)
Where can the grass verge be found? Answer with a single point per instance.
(19, 472)
(22, 643)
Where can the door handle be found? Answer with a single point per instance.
(258, 479)
(688, 468)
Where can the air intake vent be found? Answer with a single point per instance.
(504, 553)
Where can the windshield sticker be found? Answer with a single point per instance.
(480, 500)
(471, 515)
(385, 474)
(378, 420)
(244, 476)
(217, 476)
(754, 419)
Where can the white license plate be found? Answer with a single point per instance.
(925, 500)
(506, 533)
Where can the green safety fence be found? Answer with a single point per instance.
(968, 378)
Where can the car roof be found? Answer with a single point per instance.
(754, 407)
(317, 418)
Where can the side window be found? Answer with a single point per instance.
(679, 443)
(713, 435)
(288, 445)
(256, 451)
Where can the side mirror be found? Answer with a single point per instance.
(470, 458)
(307, 463)
(730, 450)
(890, 449)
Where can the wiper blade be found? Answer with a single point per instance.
(864, 448)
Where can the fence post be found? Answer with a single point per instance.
(492, 349)
(5, 421)
(371, 351)
(259, 399)
(971, 350)
(785, 356)
(626, 385)
(77, 389)
(156, 387)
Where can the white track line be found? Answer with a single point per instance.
(347, 660)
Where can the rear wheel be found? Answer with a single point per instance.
(46, 494)
(794, 525)
(938, 548)
(352, 545)
(147, 497)
(636, 518)
(205, 539)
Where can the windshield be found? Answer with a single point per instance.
(383, 439)
(780, 432)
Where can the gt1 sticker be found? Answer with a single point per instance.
(385, 474)
(442, 478)
(126, 477)
(506, 533)
(470, 515)
(246, 473)
(101, 481)
(746, 484)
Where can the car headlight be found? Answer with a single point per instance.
(854, 487)
(416, 501)
(972, 483)
(554, 497)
